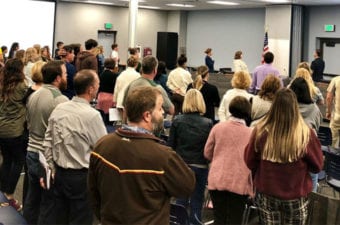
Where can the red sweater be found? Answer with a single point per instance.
(284, 180)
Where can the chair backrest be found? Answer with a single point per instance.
(178, 215)
(325, 136)
(333, 165)
(323, 209)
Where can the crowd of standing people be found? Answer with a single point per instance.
(260, 132)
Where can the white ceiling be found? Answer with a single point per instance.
(204, 5)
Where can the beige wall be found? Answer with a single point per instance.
(75, 23)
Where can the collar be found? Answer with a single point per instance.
(237, 120)
(136, 129)
(81, 100)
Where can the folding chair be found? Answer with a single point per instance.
(323, 209)
(325, 137)
(178, 215)
(332, 165)
(248, 209)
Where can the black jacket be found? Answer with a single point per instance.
(188, 135)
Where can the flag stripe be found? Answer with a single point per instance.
(265, 45)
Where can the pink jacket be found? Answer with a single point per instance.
(225, 149)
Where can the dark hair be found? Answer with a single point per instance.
(140, 100)
(3, 48)
(240, 107)
(83, 79)
(268, 57)
(237, 54)
(90, 43)
(13, 48)
(149, 63)
(76, 48)
(68, 48)
(59, 43)
(109, 63)
(113, 46)
(132, 51)
(318, 52)
(11, 75)
(51, 70)
(300, 87)
(182, 59)
(161, 69)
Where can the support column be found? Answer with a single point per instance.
(133, 13)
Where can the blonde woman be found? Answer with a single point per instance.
(209, 91)
(30, 57)
(37, 78)
(314, 90)
(281, 152)
(240, 82)
(188, 134)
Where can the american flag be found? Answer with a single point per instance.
(265, 45)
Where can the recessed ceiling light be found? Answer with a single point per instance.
(277, 1)
(148, 7)
(98, 2)
(222, 3)
(129, 0)
(180, 5)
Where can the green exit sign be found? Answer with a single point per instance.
(329, 28)
(108, 26)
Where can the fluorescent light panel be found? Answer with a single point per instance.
(148, 7)
(129, 0)
(180, 5)
(277, 1)
(222, 3)
(96, 2)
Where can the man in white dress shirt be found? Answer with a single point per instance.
(73, 129)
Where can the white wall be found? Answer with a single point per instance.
(226, 31)
(278, 23)
(75, 23)
(26, 22)
(316, 18)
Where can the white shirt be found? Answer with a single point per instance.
(178, 80)
(239, 65)
(73, 129)
(223, 111)
(114, 55)
(122, 82)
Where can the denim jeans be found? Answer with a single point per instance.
(39, 203)
(72, 205)
(196, 200)
(13, 153)
(314, 177)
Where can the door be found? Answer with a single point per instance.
(106, 38)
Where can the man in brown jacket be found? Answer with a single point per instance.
(132, 176)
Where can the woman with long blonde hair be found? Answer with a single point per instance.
(314, 90)
(281, 152)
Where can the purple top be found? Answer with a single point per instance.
(260, 74)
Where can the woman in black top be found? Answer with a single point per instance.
(209, 92)
(107, 84)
